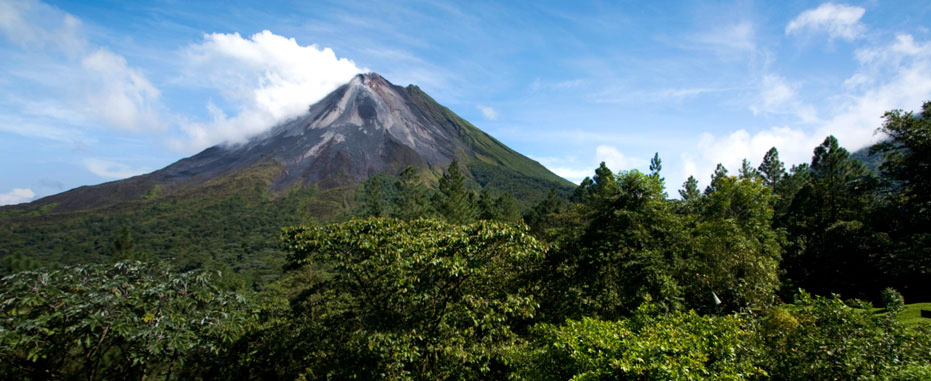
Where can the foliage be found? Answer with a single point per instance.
(646, 346)
(455, 202)
(907, 156)
(412, 201)
(420, 299)
(624, 249)
(892, 300)
(824, 338)
(736, 253)
(127, 320)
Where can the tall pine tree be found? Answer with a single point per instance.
(455, 202)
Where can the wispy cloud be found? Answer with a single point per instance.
(488, 112)
(837, 20)
(733, 37)
(112, 170)
(89, 80)
(892, 75)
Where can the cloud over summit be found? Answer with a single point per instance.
(266, 78)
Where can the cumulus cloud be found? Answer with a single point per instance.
(488, 112)
(91, 82)
(837, 20)
(123, 96)
(572, 169)
(266, 78)
(615, 159)
(17, 196)
(112, 170)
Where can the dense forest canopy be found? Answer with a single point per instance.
(771, 273)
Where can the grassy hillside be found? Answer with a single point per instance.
(494, 164)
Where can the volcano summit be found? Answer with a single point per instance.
(364, 127)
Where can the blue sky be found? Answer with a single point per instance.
(97, 91)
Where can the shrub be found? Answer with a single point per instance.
(892, 300)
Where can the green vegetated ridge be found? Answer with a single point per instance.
(495, 165)
(767, 273)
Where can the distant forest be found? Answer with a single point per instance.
(809, 271)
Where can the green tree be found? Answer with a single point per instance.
(907, 205)
(720, 173)
(907, 156)
(127, 320)
(544, 215)
(455, 201)
(689, 191)
(122, 247)
(822, 338)
(416, 300)
(747, 171)
(412, 202)
(736, 253)
(656, 166)
(373, 200)
(501, 208)
(625, 249)
(832, 245)
(771, 169)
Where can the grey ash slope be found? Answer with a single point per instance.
(364, 127)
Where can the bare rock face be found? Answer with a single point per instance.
(364, 127)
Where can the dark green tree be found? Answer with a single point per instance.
(747, 171)
(373, 200)
(831, 244)
(689, 191)
(545, 214)
(656, 165)
(122, 247)
(412, 201)
(720, 173)
(771, 169)
(503, 208)
(455, 201)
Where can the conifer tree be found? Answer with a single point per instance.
(771, 169)
(656, 165)
(455, 202)
(689, 191)
(412, 202)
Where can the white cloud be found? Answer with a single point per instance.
(17, 195)
(779, 96)
(615, 159)
(891, 76)
(488, 112)
(112, 170)
(91, 82)
(575, 170)
(739, 36)
(266, 77)
(121, 95)
(837, 20)
(33, 24)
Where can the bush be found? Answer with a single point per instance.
(892, 300)
(647, 346)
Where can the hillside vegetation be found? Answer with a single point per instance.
(769, 273)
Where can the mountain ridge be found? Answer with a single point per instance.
(364, 127)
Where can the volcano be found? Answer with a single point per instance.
(364, 127)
